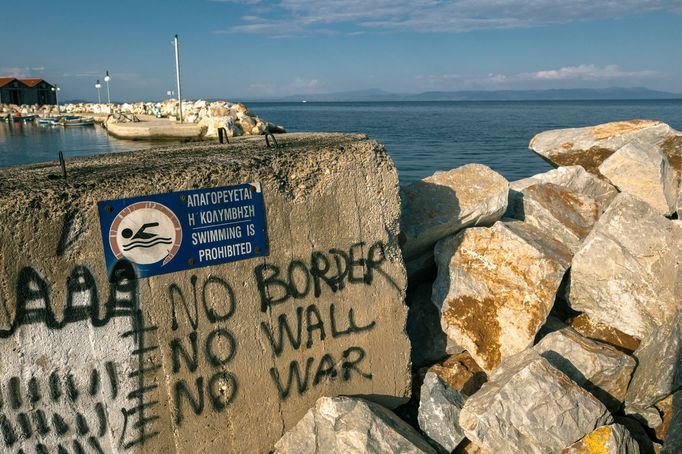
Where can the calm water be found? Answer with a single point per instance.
(422, 137)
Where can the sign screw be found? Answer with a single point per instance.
(108, 209)
(183, 197)
(190, 262)
(257, 248)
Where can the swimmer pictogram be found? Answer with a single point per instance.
(145, 233)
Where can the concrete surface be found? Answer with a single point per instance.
(188, 362)
(156, 129)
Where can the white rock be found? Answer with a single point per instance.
(446, 202)
(590, 146)
(642, 170)
(561, 213)
(574, 178)
(659, 373)
(351, 425)
(611, 439)
(599, 368)
(528, 406)
(439, 408)
(627, 272)
(495, 288)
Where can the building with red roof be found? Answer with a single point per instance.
(26, 91)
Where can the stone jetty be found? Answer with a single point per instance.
(463, 313)
(158, 120)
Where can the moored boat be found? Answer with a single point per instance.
(77, 121)
(18, 118)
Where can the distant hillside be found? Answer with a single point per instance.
(560, 94)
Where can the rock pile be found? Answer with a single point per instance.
(234, 117)
(545, 314)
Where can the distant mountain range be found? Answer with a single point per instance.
(559, 94)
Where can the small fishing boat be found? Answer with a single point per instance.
(47, 120)
(18, 118)
(77, 121)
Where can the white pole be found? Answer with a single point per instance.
(177, 74)
(57, 96)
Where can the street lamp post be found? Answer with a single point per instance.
(98, 86)
(56, 89)
(107, 78)
(177, 74)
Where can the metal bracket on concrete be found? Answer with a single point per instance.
(267, 141)
(63, 164)
(222, 135)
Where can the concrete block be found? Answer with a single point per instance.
(213, 359)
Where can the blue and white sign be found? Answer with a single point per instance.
(176, 231)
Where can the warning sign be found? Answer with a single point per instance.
(170, 232)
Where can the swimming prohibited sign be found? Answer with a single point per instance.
(176, 231)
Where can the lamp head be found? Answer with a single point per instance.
(97, 84)
(107, 78)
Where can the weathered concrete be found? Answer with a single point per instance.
(590, 146)
(354, 426)
(162, 129)
(184, 362)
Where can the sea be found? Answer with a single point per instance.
(422, 137)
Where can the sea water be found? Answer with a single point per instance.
(422, 137)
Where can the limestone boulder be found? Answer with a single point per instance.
(528, 406)
(611, 439)
(673, 437)
(460, 372)
(574, 178)
(590, 146)
(495, 288)
(627, 272)
(659, 373)
(446, 202)
(602, 332)
(446, 386)
(563, 214)
(641, 169)
(429, 342)
(599, 368)
(351, 425)
(439, 408)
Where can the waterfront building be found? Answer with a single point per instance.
(26, 91)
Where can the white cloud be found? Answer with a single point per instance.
(21, 72)
(580, 75)
(300, 16)
(297, 86)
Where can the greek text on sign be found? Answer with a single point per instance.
(170, 232)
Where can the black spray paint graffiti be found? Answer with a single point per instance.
(33, 306)
(218, 348)
(22, 421)
(311, 323)
(349, 268)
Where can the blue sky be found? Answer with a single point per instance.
(256, 48)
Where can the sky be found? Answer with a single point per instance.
(243, 50)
